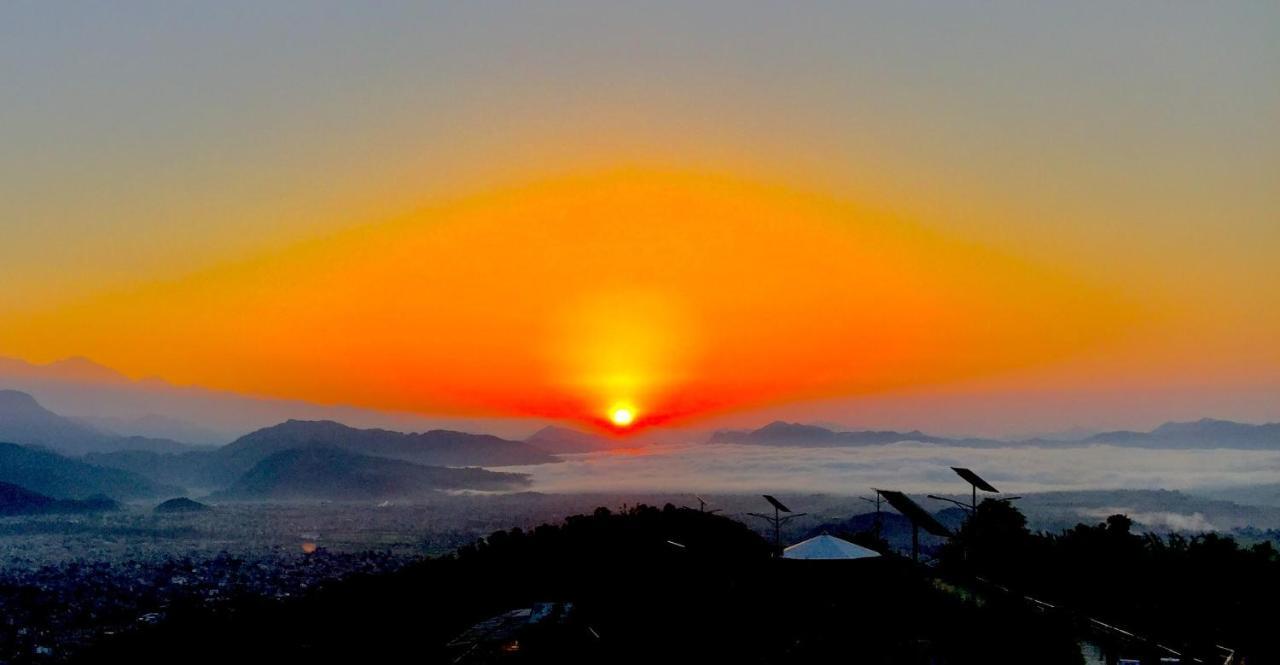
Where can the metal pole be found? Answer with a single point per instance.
(877, 523)
(777, 532)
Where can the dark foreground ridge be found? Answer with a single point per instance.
(670, 585)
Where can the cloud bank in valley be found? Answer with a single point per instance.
(913, 467)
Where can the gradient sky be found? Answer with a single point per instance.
(1038, 214)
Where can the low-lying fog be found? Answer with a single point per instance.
(912, 467)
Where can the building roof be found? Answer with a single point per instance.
(829, 548)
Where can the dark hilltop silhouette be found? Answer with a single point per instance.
(181, 505)
(57, 476)
(554, 439)
(15, 500)
(334, 474)
(218, 469)
(438, 447)
(674, 585)
(295, 460)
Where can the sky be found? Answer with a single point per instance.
(975, 217)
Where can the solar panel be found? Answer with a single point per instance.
(973, 479)
(776, 503)
(912, 510)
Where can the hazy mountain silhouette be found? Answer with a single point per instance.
(1206, 433)
(104, 397)
(795, 434)
(182, 505)
(554, 439)
(156, 426)
(23, 420)
(217, 469)
(1203, 433)
(77, 369)
(49, 473)
(436, 447)
(334, 474)
(15, 500)
(196, 470)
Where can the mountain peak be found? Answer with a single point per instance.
(337, 474)
(24, 420)
(45, 472)
(437, 447)
(16, 399)
(557, 439)
(79, 368)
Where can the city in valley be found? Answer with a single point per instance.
(308, 518)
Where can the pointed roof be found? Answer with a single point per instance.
(828, 548)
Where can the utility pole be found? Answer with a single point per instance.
(777, 520)
(877, 523)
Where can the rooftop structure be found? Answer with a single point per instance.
(827, 548)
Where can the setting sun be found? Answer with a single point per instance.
(622, 416)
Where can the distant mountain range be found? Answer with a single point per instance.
(560, 440)
(15, 500)
(795, 434)
(324, 459)
(108, 400)
(154, 426)
(813, 436)
(196, 471)
(260, 464)
(23, 420)
(340, 475)
(216, 469)
(51, 474)
(1205, 433)
(438, 447)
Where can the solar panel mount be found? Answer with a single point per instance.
(974, 479)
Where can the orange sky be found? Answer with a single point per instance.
(675, 294)
(884, 214)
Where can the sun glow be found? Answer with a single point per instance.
(622, 416)
(583, 297)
